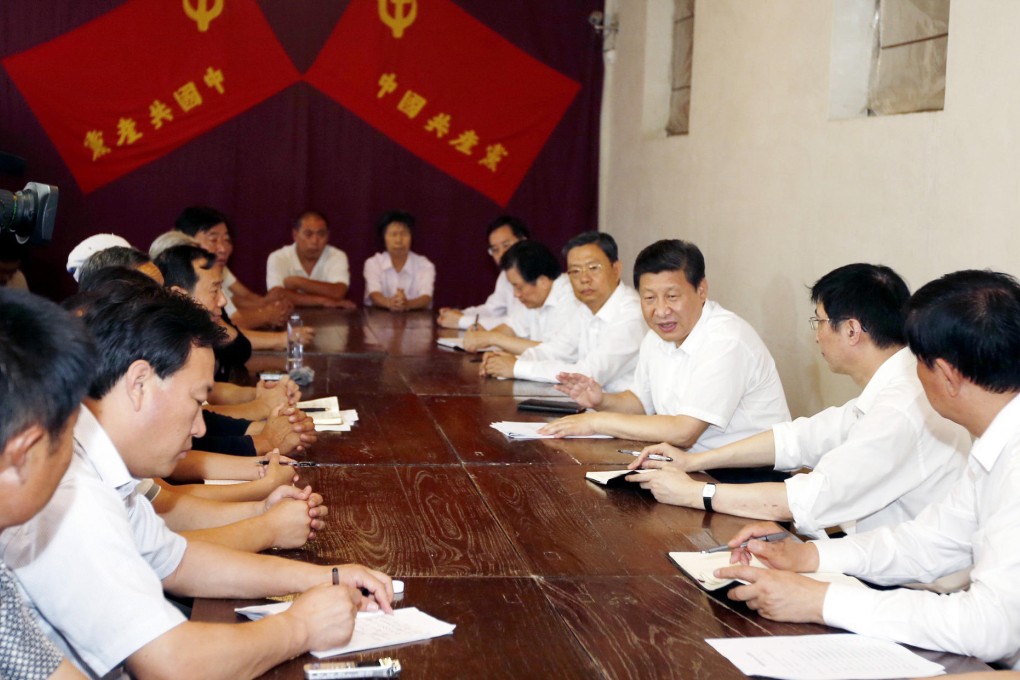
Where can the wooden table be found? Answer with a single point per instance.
(544, 573)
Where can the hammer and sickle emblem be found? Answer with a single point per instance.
(202, 14)
(399, 19)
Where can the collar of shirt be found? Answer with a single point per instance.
(899, 363)
(614, 305)
(699, 335)
(96, 447)
(1004, 427)
(388, 261)
(560, 293)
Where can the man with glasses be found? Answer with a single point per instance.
(502, 233)
(878, 460)
(603, 338)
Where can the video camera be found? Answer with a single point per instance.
(29, 214)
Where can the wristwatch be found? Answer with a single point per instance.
(707, 493)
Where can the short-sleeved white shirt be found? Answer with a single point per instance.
(721, 374)
(878, 460)
(496, 309)
(228, 280)
(602, 346)
(331, 267)
(547, 321)
(417, 278)
(92, 561)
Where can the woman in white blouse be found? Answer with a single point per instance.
(398, 279)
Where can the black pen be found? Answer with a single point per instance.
(314, 409)
(298, 463)
(768, 538)
(651, 456)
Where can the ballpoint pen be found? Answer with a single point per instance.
(651, 456)
(768, 538)
(297, 463)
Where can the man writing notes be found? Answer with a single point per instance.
(310, 272)
(602, 339)
(94, 563)
(704, 378)
(502, 233)
(46, 363)
(965, 331)
(877, 460)
(547, 301)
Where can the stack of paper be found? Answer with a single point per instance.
(700, 567)
(372, 629)
(841, 656)
(513, 431)
(330, 418)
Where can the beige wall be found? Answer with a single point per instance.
(776, 194)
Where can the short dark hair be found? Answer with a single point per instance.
(47, 359)
(153, 324)
(309, 213)
(671, 255)
(199, 218)
(532, 260)
(177, 265)
(604, 241)
(10, 249)
(100, 277)
(115, 256)
(403, 217)
(971, 320)
(873, 294)
(516, 224)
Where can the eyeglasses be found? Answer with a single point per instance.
(501, 248)
(815, 322)
(592, 269)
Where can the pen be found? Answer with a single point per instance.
(336, 576)
(768, 538)
(314, 409)
(299, 463)
(651, 456)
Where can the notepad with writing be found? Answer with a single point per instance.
(700, 567)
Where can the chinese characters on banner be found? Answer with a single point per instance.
(143, 79)
(445, 87)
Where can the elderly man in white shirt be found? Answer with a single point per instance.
(602, 339)
(502, 233)
(965, 331)
(704, 377)
(547, 302)
(310, 272)
(94, 563)
(878, 460)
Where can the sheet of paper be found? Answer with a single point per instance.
(700, 567)
(328, 403)
(451, 343)
(334, 421)
(842, 656)
(372, 629)
(513, 430)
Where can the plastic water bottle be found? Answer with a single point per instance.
(295, 343)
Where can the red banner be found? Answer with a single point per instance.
(140, 81)
(445, 87)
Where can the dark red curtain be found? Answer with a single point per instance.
(300, 150)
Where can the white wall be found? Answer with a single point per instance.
(776, 194)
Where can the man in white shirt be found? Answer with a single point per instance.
(602, 339)
(310, 272)
(878, 460)
(964, 329)
(47, 359)
(94, 563)
(704, 377)
(547, 301)
(502, 233)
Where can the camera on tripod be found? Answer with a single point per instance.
(28, 214)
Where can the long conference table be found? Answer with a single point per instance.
(544, 573)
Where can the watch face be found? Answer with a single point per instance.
(708, 491)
